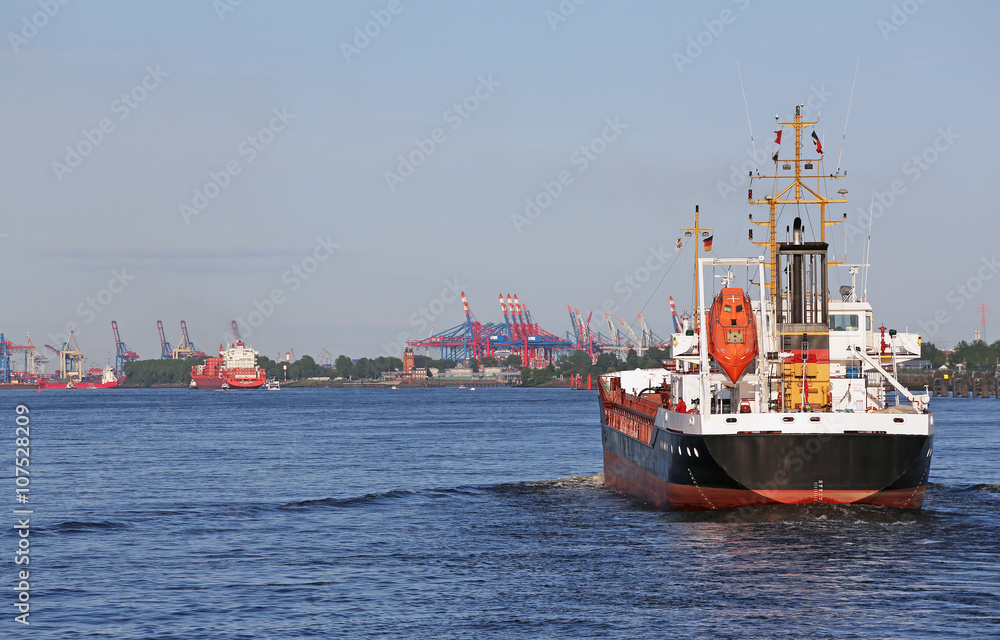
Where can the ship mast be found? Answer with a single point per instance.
(796, 192)
(697, 232)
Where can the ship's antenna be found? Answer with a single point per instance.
(849, 103)
(868, 250)
(753, 145)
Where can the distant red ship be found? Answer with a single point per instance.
(235, 368)
(108, 380)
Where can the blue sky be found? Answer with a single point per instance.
(230, 160)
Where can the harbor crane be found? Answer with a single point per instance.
(70, 358)
(122, 353)
(615, 338)
(186, 349)
(631, 334)
(647, 335)
(37, 360)
(325, 358)
(165, 350)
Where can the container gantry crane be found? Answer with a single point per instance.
(165, 350)
(186, 349)
(122, 353)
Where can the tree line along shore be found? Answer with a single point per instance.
(346, 371)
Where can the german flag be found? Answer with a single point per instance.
(708, 243)
(819, 147)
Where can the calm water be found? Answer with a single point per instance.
(450, 513)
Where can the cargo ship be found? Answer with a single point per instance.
(235, 368)
(98, 379)
(779, 393)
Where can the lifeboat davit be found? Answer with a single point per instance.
(732, 332)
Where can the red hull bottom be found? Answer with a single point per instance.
(214, 382)
(208, 382)
(240, 384)
(78, 385)
(630, 479)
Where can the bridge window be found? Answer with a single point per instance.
(843, 322)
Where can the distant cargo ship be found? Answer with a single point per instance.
(235, 368)
(109, 380)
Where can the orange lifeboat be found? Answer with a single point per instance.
(732, 332)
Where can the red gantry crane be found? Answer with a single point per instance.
(187, 349)
(122, 353)
(516, 335)
(165, 350)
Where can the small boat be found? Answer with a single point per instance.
(273, 385)
(732, 332)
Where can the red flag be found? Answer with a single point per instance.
(708, 243)
(777, 137)
(819, 147)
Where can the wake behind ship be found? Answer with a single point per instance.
(788, 396)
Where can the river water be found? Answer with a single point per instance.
(453, 513)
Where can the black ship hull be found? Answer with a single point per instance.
(692, 472)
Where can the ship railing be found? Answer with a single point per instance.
(919, 402)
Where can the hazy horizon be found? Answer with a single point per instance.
(334, 172)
